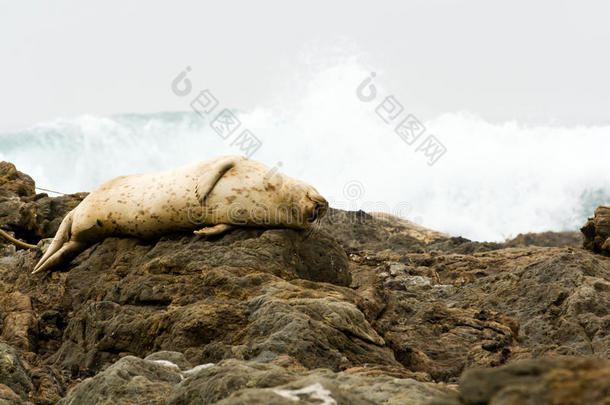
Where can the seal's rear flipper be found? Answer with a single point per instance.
(66, 253)
(61, 237)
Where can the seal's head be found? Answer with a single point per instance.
(300, 205)
(252, 194)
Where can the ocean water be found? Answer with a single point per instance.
(492, 182)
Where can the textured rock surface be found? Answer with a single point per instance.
(12, 372)
(597, 231)
(564, 380)
(28, 215)
(365, 309)
(129, 381)
(550, 239)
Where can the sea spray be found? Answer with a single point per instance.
(495, 180)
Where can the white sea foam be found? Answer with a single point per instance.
(196, 369)
(494, 181)
(315, 391)
(168, 364)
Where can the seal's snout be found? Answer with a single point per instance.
(319, 209)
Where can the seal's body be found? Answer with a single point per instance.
(214, 194)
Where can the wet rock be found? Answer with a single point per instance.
(597, 231)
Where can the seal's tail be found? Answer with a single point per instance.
(61, 237)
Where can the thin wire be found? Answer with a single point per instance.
(37, 188)
(50, 191)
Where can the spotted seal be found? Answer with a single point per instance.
(208, 197)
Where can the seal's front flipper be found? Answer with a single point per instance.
(214, 230)
(209, 179)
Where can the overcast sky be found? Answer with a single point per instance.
(531, 61)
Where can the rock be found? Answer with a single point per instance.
(431, 338)
(176, 358)
(597, 231)
(317, 332)
(363, 309)
(8, 397)
(345, 389)
(129, 381)
(20, 325)
(131, 301)
(28, 215)
(13, 374)
(569, 380)
(49, 212)
(239, 382)
(212, 384)
(14, 182)
(565, 309)
(550, 239)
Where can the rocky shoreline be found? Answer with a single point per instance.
(368, 309)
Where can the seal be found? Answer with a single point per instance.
(208, 197)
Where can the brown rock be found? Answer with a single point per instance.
(357, 310)
(597, 231)
(14, 182)
(568, 380)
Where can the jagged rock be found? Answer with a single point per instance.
(369, 308)
(597, 231)
(176, 358)
(558, 381)
(341, 389)
(49, 212)
(239, 382)
(15, 182)
(130, 381)
(562, 302)
(211, 384)
(550, 239)
(132, 301)
(13, 374)
(432, 338)
(28, 215)
(8, 397)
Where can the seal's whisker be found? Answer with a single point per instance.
(316, 226)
